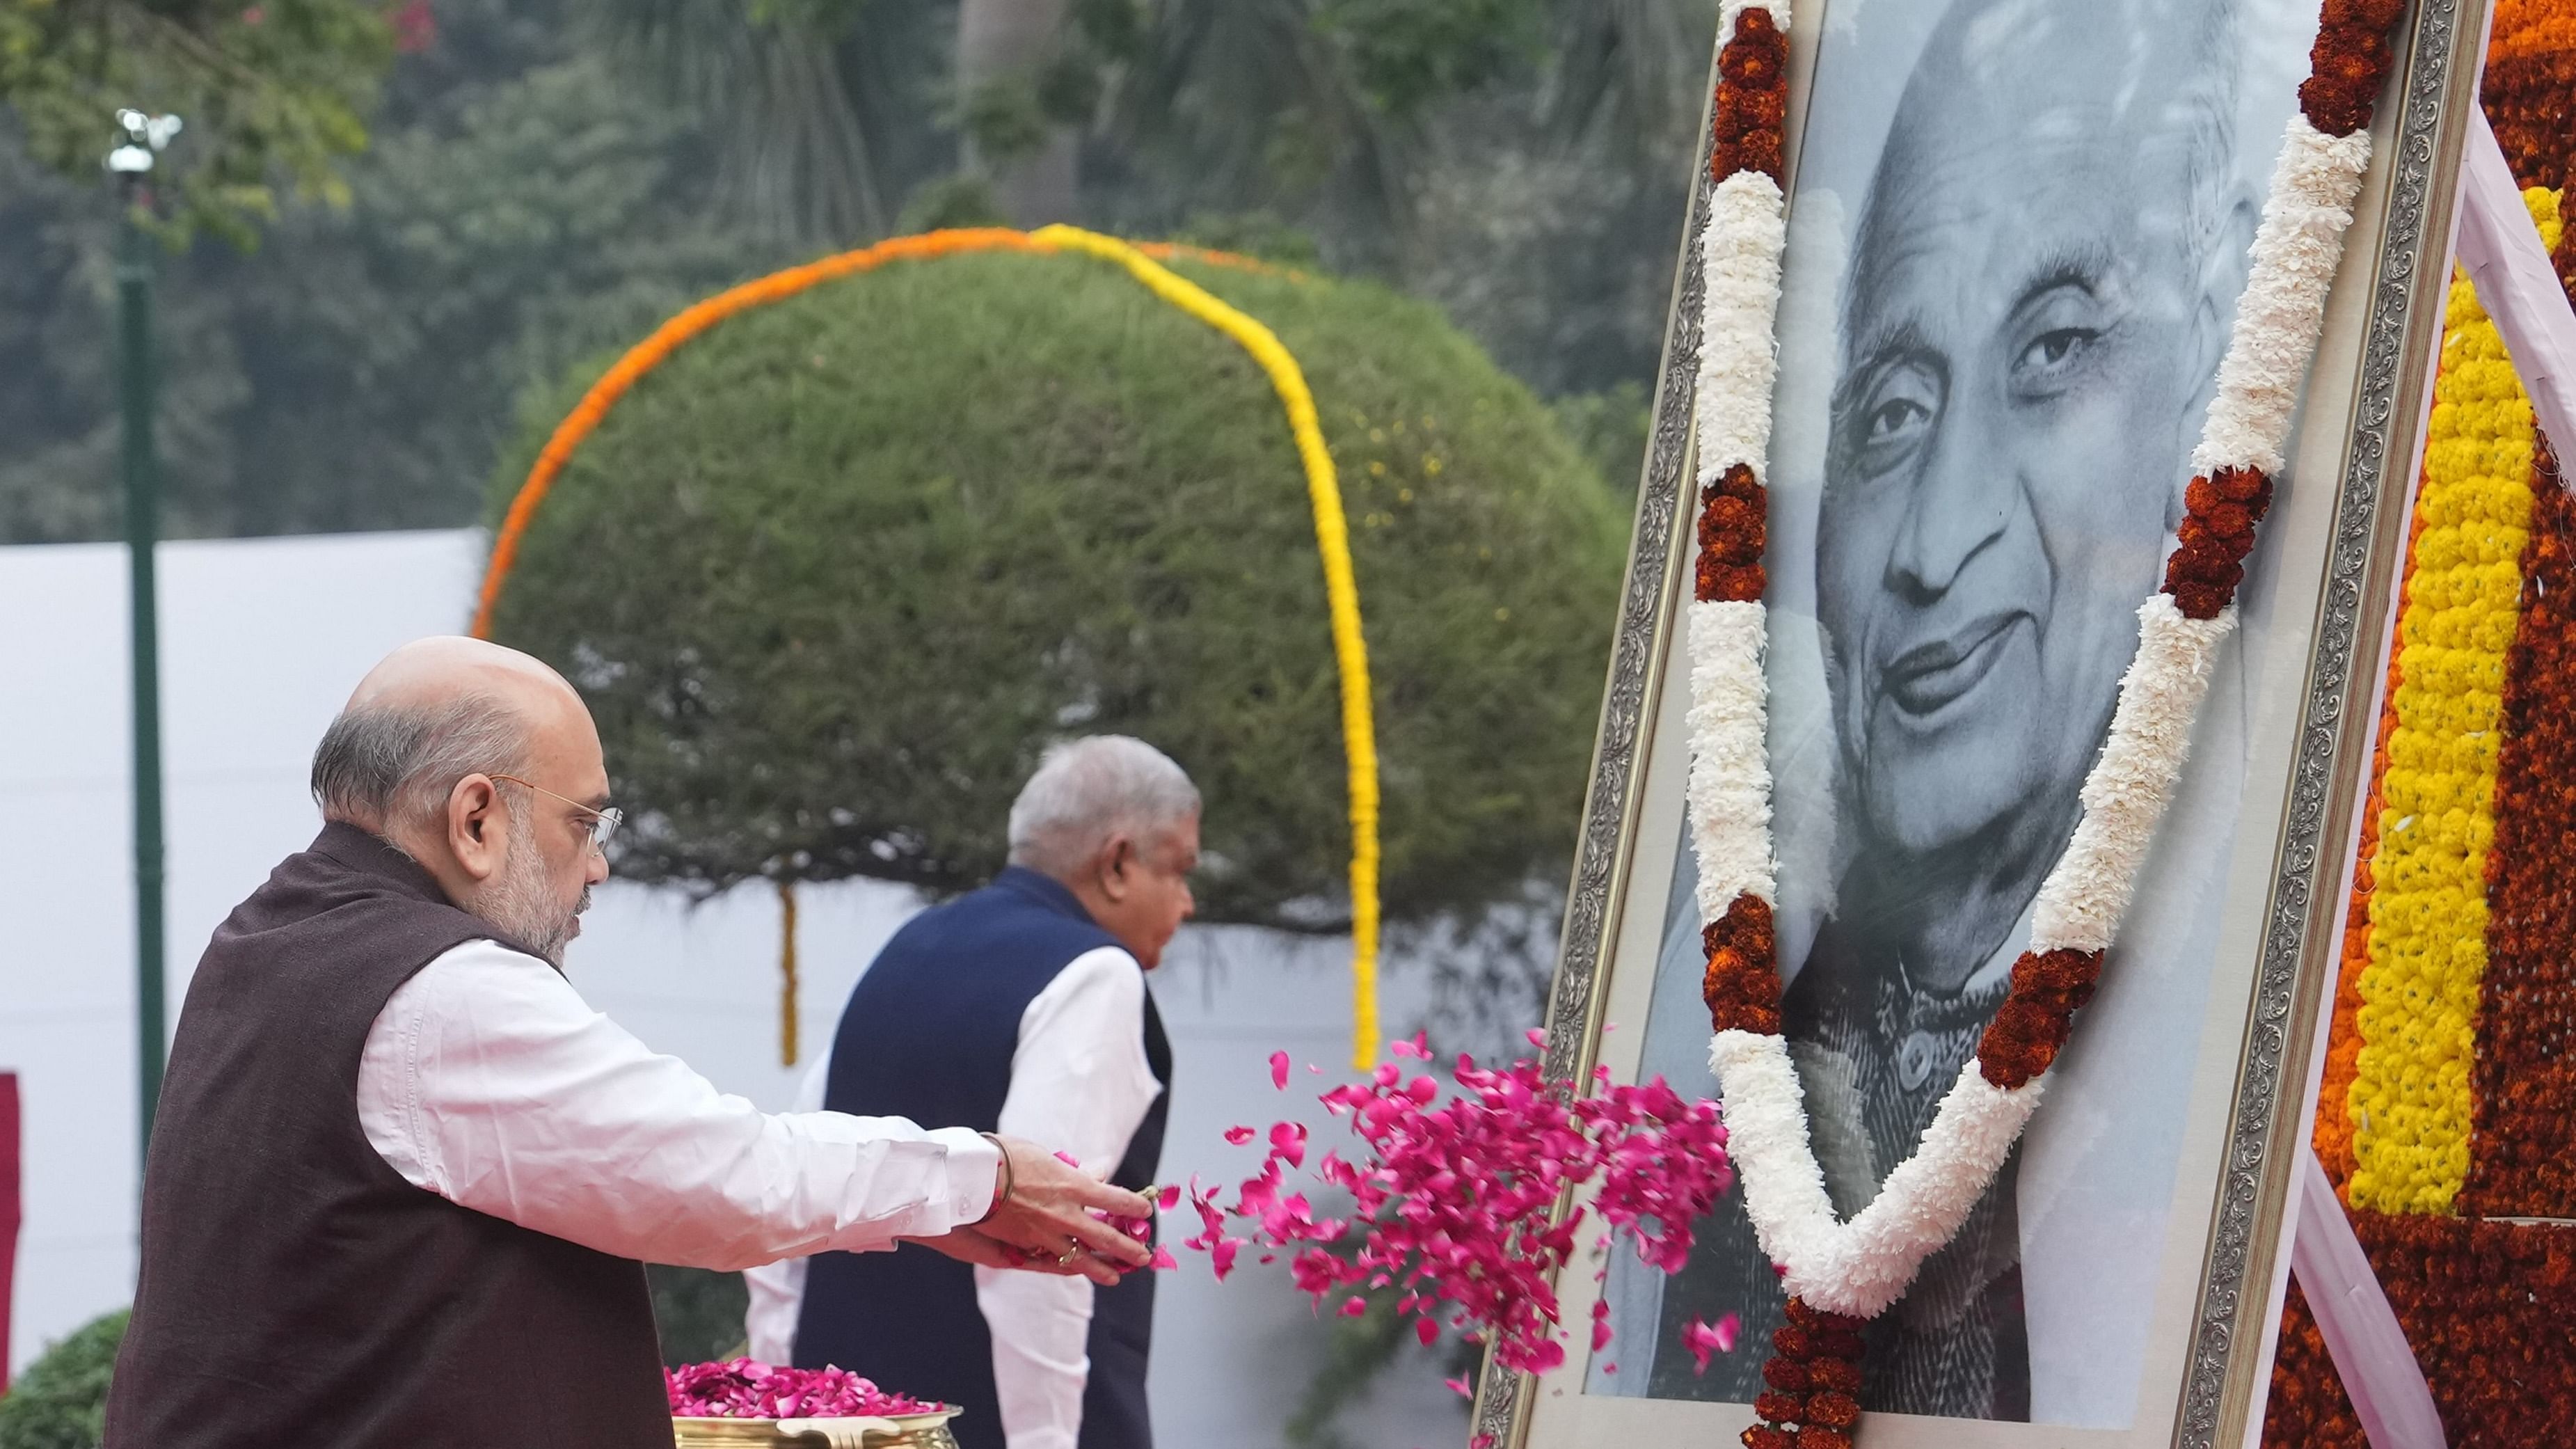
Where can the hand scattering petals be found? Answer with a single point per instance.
(1455, 1199)
(745, 1388)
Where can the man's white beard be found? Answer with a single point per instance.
(521, 902)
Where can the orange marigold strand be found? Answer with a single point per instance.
(1750, 113)
(1742, 983)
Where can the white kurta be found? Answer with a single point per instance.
(1080, 1082)
(488, 1080)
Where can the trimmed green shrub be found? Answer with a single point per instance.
(835, 573)
(698, 1312)
(60, 1402)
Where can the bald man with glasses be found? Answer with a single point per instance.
(403, 1179)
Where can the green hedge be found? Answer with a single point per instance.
(61, 1400)
(835, 573)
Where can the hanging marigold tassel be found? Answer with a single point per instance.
(1811, 1395)
(786, 973)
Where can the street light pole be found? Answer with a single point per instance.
(131, 162)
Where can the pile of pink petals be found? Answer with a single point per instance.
(1455, 1200)
(746, 1389)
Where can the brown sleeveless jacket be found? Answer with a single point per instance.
(295, 1289)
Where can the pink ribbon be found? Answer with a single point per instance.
(2362, 1335)
(2502, 252)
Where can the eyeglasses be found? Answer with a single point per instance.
(603, 822)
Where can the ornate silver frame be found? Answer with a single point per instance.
(2417, 155)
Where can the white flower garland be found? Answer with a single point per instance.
(1730, 773)
(1730, 770)
(1861, 1266)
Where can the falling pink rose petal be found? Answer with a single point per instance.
(1279, 1070)
(1702, 1340)
(1354, 1307)
(1452, 1197)
(1459, 1387)
(1237, 1136)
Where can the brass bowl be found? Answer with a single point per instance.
(907, 1431)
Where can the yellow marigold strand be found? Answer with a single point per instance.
(1341, 594)
(1332, 529)
(2409, 1102)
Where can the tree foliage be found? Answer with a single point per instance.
(522, 206)
(60, 1402)
(528, 197)
(834, 574)
(271, 91)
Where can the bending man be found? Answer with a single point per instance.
(403, 1176)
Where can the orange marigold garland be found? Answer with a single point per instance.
(2522, 1160)
(1742, 984)
(1747, 122)
(2530, 89)
(1813, 1376)
(2347, 64)
(2307, 1407)
(2208, 561)
(2485, 1306)
(2030, 1028)
(1732, 533)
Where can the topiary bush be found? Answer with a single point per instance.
(698, 1313)
(60, 1402)
(834, 574)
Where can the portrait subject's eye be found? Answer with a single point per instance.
(1895, 417)
(2051, 354)
(2056, 332)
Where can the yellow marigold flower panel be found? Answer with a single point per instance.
(2409, 1104)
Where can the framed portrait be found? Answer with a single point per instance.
(2017, 231)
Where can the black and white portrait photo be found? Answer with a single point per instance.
(2017, 233)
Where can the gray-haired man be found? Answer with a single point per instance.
(403, 1174)
(1019, 1008)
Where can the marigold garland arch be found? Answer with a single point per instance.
(1332, 530)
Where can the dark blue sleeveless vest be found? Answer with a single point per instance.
(929, 1034)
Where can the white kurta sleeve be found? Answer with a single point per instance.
(488, 1080)
(1079, 1077)
(778, 1289)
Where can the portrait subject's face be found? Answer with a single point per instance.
(2006, 434)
